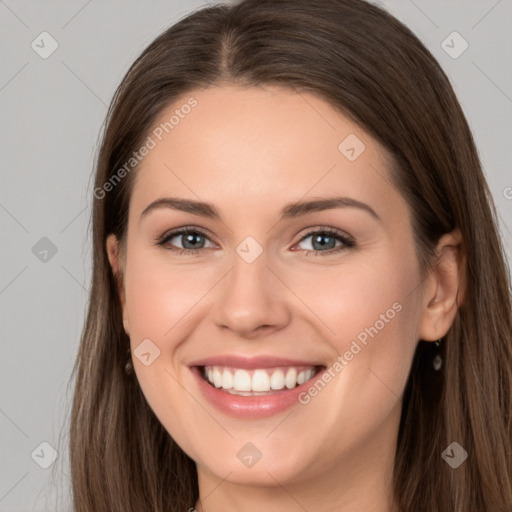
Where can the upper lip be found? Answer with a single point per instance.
(238, 361)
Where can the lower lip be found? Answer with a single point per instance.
(251, 406)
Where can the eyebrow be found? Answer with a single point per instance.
(291, 210)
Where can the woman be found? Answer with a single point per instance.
(224, 365)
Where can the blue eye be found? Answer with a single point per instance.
(190, 237)
(327, 237)
(193, 240)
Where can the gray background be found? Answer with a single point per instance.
(51, 113)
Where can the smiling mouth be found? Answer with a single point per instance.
(258, 381)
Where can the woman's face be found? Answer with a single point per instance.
(264, 297)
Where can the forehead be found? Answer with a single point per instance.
(257, 148)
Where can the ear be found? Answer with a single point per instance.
(445, 288)
(116, 262)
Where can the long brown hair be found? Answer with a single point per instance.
(372, 68)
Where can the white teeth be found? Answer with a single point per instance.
(260, 381)
(245, 382)
(277, 380)
(291, 378)
(242, 381)
(227, 379)
(217, 378)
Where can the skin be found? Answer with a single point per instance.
(249, 152)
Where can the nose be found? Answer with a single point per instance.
(252, 300)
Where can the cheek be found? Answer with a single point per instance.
(161, 297)
(358, 298)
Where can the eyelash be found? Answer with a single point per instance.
(347, 243)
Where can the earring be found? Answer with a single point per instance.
(128, 367)
(438, 360)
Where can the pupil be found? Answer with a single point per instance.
(318, 238)
(190, 238)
